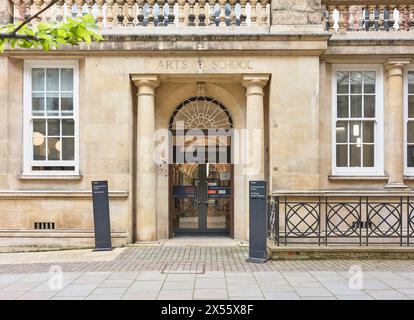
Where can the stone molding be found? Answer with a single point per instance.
(254, 83)
(46, 194)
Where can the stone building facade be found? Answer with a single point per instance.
(329, 85)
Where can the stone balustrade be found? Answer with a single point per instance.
(153, 13)
(360, 15)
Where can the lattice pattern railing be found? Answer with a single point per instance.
(341, 220)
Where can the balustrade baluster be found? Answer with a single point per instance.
(371, 10)
(59, 11)
(79, 8)
(69, 8)
(181, 16)
(263, 3)
(37, 7)
(171, 16)
(46, 16)
(232, 17)
(406, 17)
(27, 8)
(109, 21)
(120, 12)
(140, 13)
(396, 15)
(330, 10)
(243, 15)
(89, 4)
(18, 14)
(161, 17)
(386, 19)
(356, 14)
(130, 13)
(341, 21)
(212, 14)
(381, 9)
(411, 10)
(150, 13)
(191, 15)
(376, 18)
(253, 14)
(99, 13)
(222, 4)
(202, 13)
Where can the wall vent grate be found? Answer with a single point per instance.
(44, 225)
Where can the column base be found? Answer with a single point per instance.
(396, 186)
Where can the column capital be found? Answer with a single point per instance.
(395, 66)
(145, 83)
(254, 83)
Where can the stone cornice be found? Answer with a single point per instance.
(44, 194)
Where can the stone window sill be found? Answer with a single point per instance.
(360, 178)
(25, 177)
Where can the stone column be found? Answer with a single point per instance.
(146, 175)
(254, 170)
(394, 115)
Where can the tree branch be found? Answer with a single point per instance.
(34, 16)
(12, 35)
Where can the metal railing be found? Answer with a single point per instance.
(347, 220)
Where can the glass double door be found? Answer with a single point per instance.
(201, 195)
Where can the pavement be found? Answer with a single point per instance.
(174, 272)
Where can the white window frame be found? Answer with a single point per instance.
(378, 169)
(28, 161)
(408, 171)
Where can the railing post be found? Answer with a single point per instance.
(171, 16)
(181, 17)
(222, 4)
(130, 13)
(150, 13)
(69, 8)
(243, 15)
(161, 17)
(277, 225)
(99, 15)
(233, 12)
(191, 15)
(59, 11)
(79, 8)
(253, 15)
(202, 13)
(120, 15)
(109, 13)
(140, 13)
(212, 14)
(263, 3)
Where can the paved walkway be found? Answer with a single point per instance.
(159, 272)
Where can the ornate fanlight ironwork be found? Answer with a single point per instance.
(202, 113)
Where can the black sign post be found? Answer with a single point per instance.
(101, 216)
(257, 222)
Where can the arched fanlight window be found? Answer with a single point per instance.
(202, 113)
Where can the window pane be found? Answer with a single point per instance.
(68, 149)
(411, 106)
(39, 126)
(53, 127)
(369, 106)
(355, 131)
(410, 156)
(341, 155)
(368, 155)
(410, 132)
(341, 131)
(52, 104)
(68, 128)
(38, 104)
(52, 79)
(368, 133)
(356, 106)
(39, 147)
(53, 148)
(369, 82)
(67, 79)
(342, 79)
(356, 82)
(67, 104)
(355, 155)
(342, 109)
(38, 79)
(411, 82)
